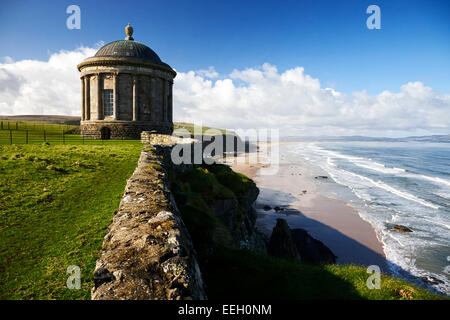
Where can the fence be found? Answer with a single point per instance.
(51, 137)
(34, 125)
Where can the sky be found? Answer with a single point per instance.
(306, 67)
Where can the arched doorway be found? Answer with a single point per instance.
(105, 133)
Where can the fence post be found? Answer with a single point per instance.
(27, 136)
(2, 125)
(17, 125)
(64, 141)
(45, 137)
(8, 125)
(10, 136)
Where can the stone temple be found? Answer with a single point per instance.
(125, 89)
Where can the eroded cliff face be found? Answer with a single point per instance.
(239, 217)
(217, 205)
(148, 253)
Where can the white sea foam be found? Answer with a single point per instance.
(383, 204)
(399, 193)
(368, 163)
(435, 179)
(378, 167)
(381, 185)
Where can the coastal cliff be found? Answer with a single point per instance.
(215, 198)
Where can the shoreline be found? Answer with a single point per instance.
(296, 191)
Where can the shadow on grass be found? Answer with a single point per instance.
(243, 274)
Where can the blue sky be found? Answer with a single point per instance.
(306, 67)
(328, 38)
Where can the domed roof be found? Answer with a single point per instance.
(128, 49)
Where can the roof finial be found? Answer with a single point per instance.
(129, 32)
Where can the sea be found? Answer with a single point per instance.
(394, 183)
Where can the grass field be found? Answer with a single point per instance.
(8, 137)
(56, 203)
(35, 126)
(177, 126)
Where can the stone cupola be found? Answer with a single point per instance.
(125, 89)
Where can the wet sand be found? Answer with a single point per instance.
(296, 190)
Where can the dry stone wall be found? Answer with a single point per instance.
(147, 252)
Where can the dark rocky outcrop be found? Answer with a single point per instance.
(281, 242)
(431, 280)
(298, 244)
(239, 217)
(401, 228)
(224, 199)
(311, 250)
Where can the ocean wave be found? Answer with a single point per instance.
(378, 167)
(393, 190)
(435, 179)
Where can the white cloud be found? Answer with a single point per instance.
(208, 73)
(252, 98)
(296, 103)
(43, 87)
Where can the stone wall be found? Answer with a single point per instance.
(148, 253)
(122, 129)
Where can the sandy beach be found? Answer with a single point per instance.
(295, 190)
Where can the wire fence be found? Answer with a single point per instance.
(35, 126)
(51, 137)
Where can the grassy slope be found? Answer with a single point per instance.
(52, 219)
(236, 273)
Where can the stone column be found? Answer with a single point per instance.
(164, 100)
(116, 95)
(152, 100)
(170, 102)
(135, 99)
(99, 98)
(83, 110)
(87, 98)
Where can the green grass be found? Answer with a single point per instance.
(56, 203)
(238, 183)
(53, 138)
(190, 128)
(37, 132)
(242, 274)
(232, 273)
(34, 126)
